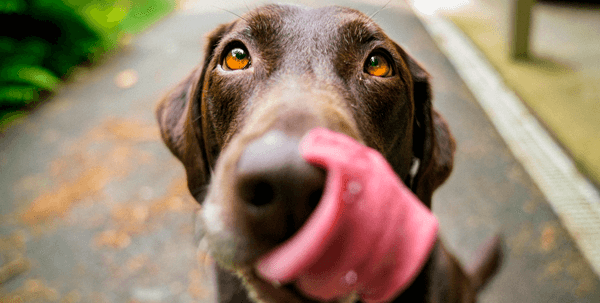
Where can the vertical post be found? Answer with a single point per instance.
(521, 28)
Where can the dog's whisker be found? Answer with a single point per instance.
(223, 9)
(379, 10)
(197, 119)
(246, 5)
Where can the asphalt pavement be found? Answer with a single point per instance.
(94, 208)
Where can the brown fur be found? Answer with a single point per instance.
(306, 71)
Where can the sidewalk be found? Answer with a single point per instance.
(94, 208)
(560, 84)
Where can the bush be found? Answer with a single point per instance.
(42, 41)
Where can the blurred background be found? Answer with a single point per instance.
(93, 208)
(548, 52)
(43, 43)
(553, 65)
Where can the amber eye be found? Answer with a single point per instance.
(236, 59)
(377, 65)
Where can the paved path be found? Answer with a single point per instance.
(94, 208)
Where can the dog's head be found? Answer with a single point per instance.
(267, 79)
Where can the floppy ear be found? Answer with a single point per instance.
(180, 121)
(433, 144)
(451, 282)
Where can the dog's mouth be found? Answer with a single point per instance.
(368, 234)
(260, 199)
(288, 263)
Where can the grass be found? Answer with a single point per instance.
(565, 100)
(116, 18)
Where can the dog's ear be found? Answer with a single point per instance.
(180, 121)
(451, 282)
(433, 144)
(487, 260)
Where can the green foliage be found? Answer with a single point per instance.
(12, 6)
(7, 116)
(41, 41)
(28, 74)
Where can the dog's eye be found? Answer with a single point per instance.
(236, 59)
(377, 65)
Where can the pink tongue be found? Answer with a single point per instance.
(369, 233)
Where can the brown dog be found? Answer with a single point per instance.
(267, 79)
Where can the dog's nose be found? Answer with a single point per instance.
(278, 188)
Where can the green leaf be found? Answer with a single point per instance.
(12, 6)
(17, 95)
(7, 45)
(8, 117)
(35, 75)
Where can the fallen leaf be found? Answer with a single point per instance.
(126, 78)
(548, 238)
(59, 201)
(113, 238)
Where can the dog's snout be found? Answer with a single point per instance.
(278, 188)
